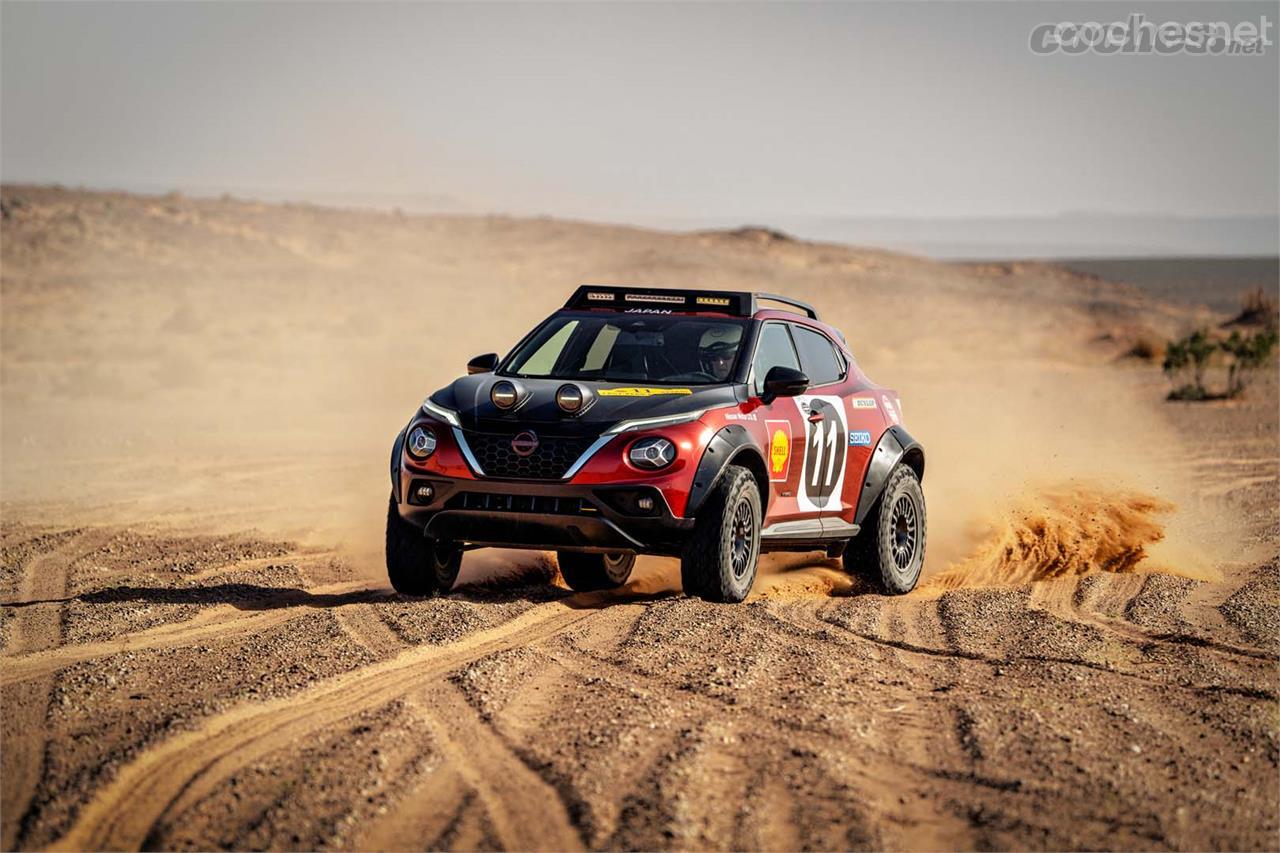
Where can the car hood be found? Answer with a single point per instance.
(613, 402)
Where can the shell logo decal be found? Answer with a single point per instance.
(779, 449)
(642, 392)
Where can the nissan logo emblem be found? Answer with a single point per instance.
(524, 443)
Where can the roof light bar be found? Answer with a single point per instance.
(733, 303)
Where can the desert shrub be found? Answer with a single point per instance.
(1258, 308)
(1188, 356)
(1145, 348)
(1245, 354)
(1186, 361)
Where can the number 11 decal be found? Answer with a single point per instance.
(825, 448)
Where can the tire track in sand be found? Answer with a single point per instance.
(35, 629)
(1064, 601)
(167, 779)
(216, 623)
(525, 811)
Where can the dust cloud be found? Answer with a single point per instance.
(1062, 533)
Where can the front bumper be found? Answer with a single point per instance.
(543, 515)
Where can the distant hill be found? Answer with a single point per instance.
(1215, 282)
(1042, 237)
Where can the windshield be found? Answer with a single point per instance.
(659, 349)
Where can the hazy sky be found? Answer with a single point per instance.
(612, 111)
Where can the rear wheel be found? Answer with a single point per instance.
(416, 564)
(719, 563)
(588, 572)
(889, 552)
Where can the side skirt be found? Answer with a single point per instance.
(818, 534)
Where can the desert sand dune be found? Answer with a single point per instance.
(200, 649)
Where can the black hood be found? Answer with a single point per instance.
(469, 397)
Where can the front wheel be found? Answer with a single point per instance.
(889, 551)
(590, 572)
(719, 563)
(416, 564)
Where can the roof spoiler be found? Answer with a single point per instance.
(803, 307)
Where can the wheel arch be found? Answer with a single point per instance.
(750, 458)
(914, 459)
(895, 445)
(732, 445)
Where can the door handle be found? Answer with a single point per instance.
(814, 417)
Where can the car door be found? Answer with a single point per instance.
(784, 428)
(826, 423)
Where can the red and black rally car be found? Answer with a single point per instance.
(693, 424)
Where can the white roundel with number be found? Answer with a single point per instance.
(826, 444)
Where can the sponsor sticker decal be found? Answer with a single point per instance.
(859, 438)
(864, 402)
(779, 449)
(600, 297)
(642, 392)
(713, 300)
(741, 416)
(890, 410)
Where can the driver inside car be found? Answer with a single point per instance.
(718, 350)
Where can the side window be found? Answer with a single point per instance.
(817, 356)
(774, 350)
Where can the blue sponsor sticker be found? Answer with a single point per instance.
(859, 438)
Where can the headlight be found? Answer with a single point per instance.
(421, 442)
(652, 453)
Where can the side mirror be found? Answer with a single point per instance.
(783, 382)
(486, 363)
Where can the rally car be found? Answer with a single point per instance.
(693, 424)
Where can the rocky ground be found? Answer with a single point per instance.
(177, 692)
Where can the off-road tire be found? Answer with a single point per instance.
(707, 565)
(877, 552)
(417, 565)
(589, 572)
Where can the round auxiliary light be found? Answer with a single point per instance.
(503, 394)
(652, 453)
(569, 398)
(421, 443)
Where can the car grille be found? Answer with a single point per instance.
(552, 459)
(540, 504)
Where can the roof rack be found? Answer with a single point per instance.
(805, 307)
(733, 303)
(617, 298)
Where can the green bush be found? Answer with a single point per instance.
(1192, 353)
(1245, 355)
(1186, 361)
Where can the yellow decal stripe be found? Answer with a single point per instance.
(641, 392)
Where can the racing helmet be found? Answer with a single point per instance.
(717, 348)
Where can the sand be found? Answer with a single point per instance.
(200, 647)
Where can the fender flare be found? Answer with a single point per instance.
(396, 447)
(726, 446)
(895, 444)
